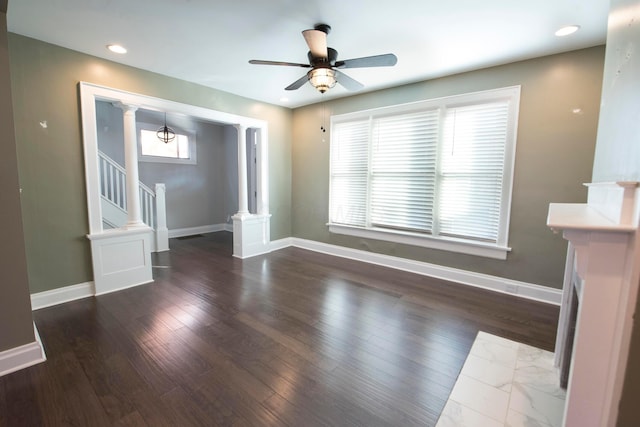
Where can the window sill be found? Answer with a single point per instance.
(172, 160)
(440, 243)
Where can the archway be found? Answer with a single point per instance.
(122, 256)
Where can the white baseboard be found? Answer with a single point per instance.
(58, 296)
(485, 281)
(192, 231)
(21, 357)
(115, 288)
(275, 245)
(465, 277)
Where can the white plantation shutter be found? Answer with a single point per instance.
(349, 171)
(472, 169)
(403, 164)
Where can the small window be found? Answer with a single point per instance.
(181, 150)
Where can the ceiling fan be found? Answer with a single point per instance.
(324, 64)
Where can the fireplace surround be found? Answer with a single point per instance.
(603, 261)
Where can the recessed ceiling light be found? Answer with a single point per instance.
(569, 29)
(116, 48)
(284, 99)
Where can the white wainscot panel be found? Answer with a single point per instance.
(251, 235)
(121, 258)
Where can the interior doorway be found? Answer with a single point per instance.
(121, 256)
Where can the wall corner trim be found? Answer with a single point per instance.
(493, 283)
(23, 356)
(61, 295)
(281, 244)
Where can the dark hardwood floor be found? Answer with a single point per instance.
(291, 338)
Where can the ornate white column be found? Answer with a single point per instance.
(134, 218)
(251, 234)
(122, 257)
(243, 203)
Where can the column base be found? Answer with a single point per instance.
(134, 225)
(121, 258)
(251, 235)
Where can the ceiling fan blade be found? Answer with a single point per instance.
(348, 82)
(386, 60)
(298, 83)
(317, 41)
(289, 64)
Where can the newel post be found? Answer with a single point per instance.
(162, 233)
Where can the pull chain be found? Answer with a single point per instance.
(322, 125)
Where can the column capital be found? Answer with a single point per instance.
(125, 107)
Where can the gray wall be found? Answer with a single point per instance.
(618, 154)
(554, 156)
(16, 327)
(110, 127)
(44, 80)
(197, 195)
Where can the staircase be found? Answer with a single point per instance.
(114, 198)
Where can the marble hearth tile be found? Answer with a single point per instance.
(495, 349)
(481, 397)
(540, 379)
(536, 404)
(535, 369)
(488, 372)
(456, 415)
(509, 382)
(516, 419)
(484, 336)
(531, 356)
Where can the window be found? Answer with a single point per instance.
(150, 149)
(436, 173)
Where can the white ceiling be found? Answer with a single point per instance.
(210, 42)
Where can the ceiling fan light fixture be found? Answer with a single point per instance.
(325, 69)
(322, 79)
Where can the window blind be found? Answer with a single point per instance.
(349, 170)
(435, 171)
(403, 164)
(471, 169)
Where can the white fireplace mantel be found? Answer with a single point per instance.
(602, 234)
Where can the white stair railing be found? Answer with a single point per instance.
(113, 188)
(148, 205)
(152, 204)
(112, 182)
